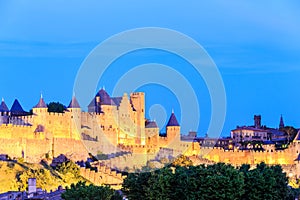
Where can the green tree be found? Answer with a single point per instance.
(266, 182)
(194, 182)
(135, 185)
(218, 181)
(56, 107)
(81, 191)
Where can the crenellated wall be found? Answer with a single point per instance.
(103, 176)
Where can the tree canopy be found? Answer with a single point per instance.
(56, 107)
(218, 181)
(81, 191)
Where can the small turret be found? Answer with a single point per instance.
(41, 106)
(73, 104)
(75, 114)
(173, 128)
(3, 108)
(173, 120)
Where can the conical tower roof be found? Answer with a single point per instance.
(17, 109)
(41, 103)
(3, 107)
(104, 97)
(173, 121)
(74, 103)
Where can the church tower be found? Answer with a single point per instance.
(281, 123)
(173, 128)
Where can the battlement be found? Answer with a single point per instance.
(56, 114)
(103, 175)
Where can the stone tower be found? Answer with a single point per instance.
(4, 109)
(75, 112)
(41, 110)
(173, 128)
(138, 102)
(4, 113)
(257, 121)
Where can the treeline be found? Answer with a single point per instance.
(219, 181)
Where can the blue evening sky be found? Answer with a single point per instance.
(255, 45)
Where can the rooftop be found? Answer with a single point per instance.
(3, 107)
(74, 103)
(173, 121)
(41, 103)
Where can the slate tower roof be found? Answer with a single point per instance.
(74, 103)
(173, 121)
(150, 124)
(16, 109)
(105, 99)
(3, 106)
(41, 103)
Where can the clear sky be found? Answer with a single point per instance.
(255, 45)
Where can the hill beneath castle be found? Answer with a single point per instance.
(14, 176)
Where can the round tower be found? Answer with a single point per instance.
(40, 112)
(75, 117)
(173, 128)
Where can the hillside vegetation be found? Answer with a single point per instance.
(14, 175)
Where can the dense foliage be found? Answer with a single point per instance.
(68, 167)
(219, 181)
(56, 107)
(43, 178)
(81, 191)
(265, 182)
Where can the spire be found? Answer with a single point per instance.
(16, 109)
(3, 106)
(281, 123)
(41, 103)
(173, 121)
(74, 103)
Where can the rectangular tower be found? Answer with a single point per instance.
(138, 102)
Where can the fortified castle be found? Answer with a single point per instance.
(111, 125)
(117, 126)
